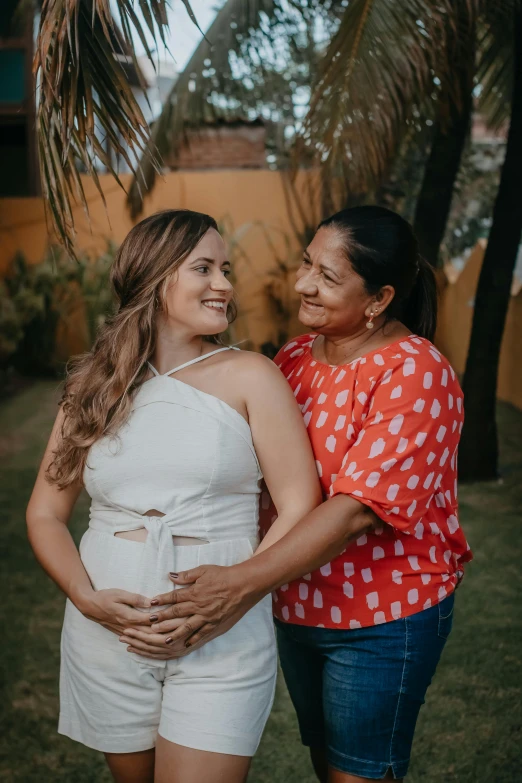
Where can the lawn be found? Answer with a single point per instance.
(469, 730)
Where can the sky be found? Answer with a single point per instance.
(184, 36)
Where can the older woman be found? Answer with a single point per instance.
(364, 583)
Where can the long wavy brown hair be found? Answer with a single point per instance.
(100, 384)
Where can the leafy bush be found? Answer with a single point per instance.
(43, 305)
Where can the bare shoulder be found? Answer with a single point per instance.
(265, 392)
(253, 378)
(252, 366)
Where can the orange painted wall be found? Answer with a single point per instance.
(252, 207)
(455, 317)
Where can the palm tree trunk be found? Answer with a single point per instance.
(479, 445)
(450, 136)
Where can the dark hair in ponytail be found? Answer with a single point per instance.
(383, 250)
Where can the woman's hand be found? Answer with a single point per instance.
(218, 596)
(115, 609)
(149, 644)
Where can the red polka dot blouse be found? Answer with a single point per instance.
(384, 429)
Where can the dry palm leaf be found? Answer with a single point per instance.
(207, 73)
(382, 62)
(387, 59)
(85, 99)
(496, 63)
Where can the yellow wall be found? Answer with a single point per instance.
(252, 207)
(455, 317)
(250, 204)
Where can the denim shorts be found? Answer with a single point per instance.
(357, 693)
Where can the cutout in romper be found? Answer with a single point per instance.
(141, 533)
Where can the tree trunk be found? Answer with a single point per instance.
(450, 136)
(479, 446)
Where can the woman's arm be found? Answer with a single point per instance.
(48, 514)
(320, 536)
(282, 445)
(219, 596)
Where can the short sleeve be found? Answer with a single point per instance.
(408, 440)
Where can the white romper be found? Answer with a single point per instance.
(189, 455)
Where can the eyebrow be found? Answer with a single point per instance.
(323, 266)
(209, 261)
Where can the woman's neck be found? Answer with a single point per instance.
(345, 348)
(174, 348)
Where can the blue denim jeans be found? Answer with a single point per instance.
(357, 693)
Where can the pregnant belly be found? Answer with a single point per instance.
(115, 561)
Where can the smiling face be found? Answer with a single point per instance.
(334, 299)
(198, 294)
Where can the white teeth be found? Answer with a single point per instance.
(215, 305)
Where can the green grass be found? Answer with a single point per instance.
(469, 730)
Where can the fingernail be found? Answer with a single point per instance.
(173, 575)
(154, 602)
(153, 618)
(169, 640)
(188, 644)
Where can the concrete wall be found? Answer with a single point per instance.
(253, 211)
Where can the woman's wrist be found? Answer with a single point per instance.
(82, 597)
(254, 579)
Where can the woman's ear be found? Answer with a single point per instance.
(384, 297)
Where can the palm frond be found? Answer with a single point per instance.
(382, 62)
(208, 74)
(496, 63)
(85, 99)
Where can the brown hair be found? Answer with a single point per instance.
(100, 384)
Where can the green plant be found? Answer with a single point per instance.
(39, 300)
(14, 316)
(93, 278)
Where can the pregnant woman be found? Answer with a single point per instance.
(170, 433)
(365, 583)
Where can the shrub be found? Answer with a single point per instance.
(52, 309)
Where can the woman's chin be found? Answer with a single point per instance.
(310, 320)
(214, 325)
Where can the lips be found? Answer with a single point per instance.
(306, 303)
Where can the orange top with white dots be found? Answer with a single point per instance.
(384, 429)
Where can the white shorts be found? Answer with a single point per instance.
(217, 698)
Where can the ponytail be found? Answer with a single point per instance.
(419, 309)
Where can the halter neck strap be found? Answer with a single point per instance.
(192, 361)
